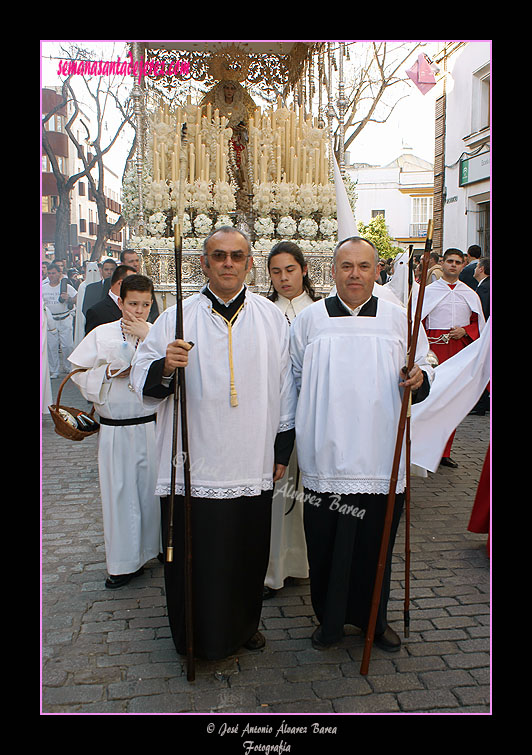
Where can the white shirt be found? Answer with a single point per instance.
(50, 297)
(356, 310)
(292, 307)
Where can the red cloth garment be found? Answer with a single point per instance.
(479, 521)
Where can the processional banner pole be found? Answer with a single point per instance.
(180, 402)
(381, 564)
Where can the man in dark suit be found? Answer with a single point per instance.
(482, 276)
(97, 291)
(107, 309)
(467, 275)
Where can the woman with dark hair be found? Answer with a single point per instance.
(292, 292)
(292, 288)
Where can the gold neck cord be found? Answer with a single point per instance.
(233, 394)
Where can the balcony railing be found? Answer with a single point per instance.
(418, 229)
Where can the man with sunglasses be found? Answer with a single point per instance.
(241, 401)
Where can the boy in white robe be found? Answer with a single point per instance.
(126, 440)
(348, 352)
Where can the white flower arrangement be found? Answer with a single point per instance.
(195, 243)
(158, 196)
(264, 244)
(156, 225)
(202, 224)
(284, 199)
(264, 226)
(130, 191)
(326, 196)
(152, 243)
(223, 197)
(223, 220)
(263, 197)
(306, 245)
(328, 227)
(201, 198)
(307, 228)
(287, 226)
(322, 246)
(307, 199)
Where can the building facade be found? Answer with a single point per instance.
(401, 191)
(83, 210)
(462, 207)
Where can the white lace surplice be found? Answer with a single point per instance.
(348, 371)
(231, 447)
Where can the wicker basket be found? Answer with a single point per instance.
(61, 426)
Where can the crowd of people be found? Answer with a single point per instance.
(292, 406)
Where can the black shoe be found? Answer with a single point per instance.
(255, 642)
(388, 640)
(446, 461)
(268, 592)
(478, 412)
(317, 642)
(119, 580)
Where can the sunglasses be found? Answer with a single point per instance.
(235, 256)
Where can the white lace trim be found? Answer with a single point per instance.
(288, 425)
(200, 491)
(344, 487)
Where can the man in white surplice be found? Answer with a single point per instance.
(126, 441)
(241, 410)
(348, 352)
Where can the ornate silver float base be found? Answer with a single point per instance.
(160, 267)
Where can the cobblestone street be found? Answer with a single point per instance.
(111, 652)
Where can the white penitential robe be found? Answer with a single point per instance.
(126, 453)
(450, 305)
(348, 371)
(288, 548)
(231, 447)
(92, 276)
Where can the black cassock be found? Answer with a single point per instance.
(230, 551)
(344, 535)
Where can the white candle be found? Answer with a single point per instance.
(163, 162)
(192, 163)
(291, 177)
(218, 162)
(255, 156)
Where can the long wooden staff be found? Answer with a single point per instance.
(406, 604)
(180, 398)
(381, 564)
